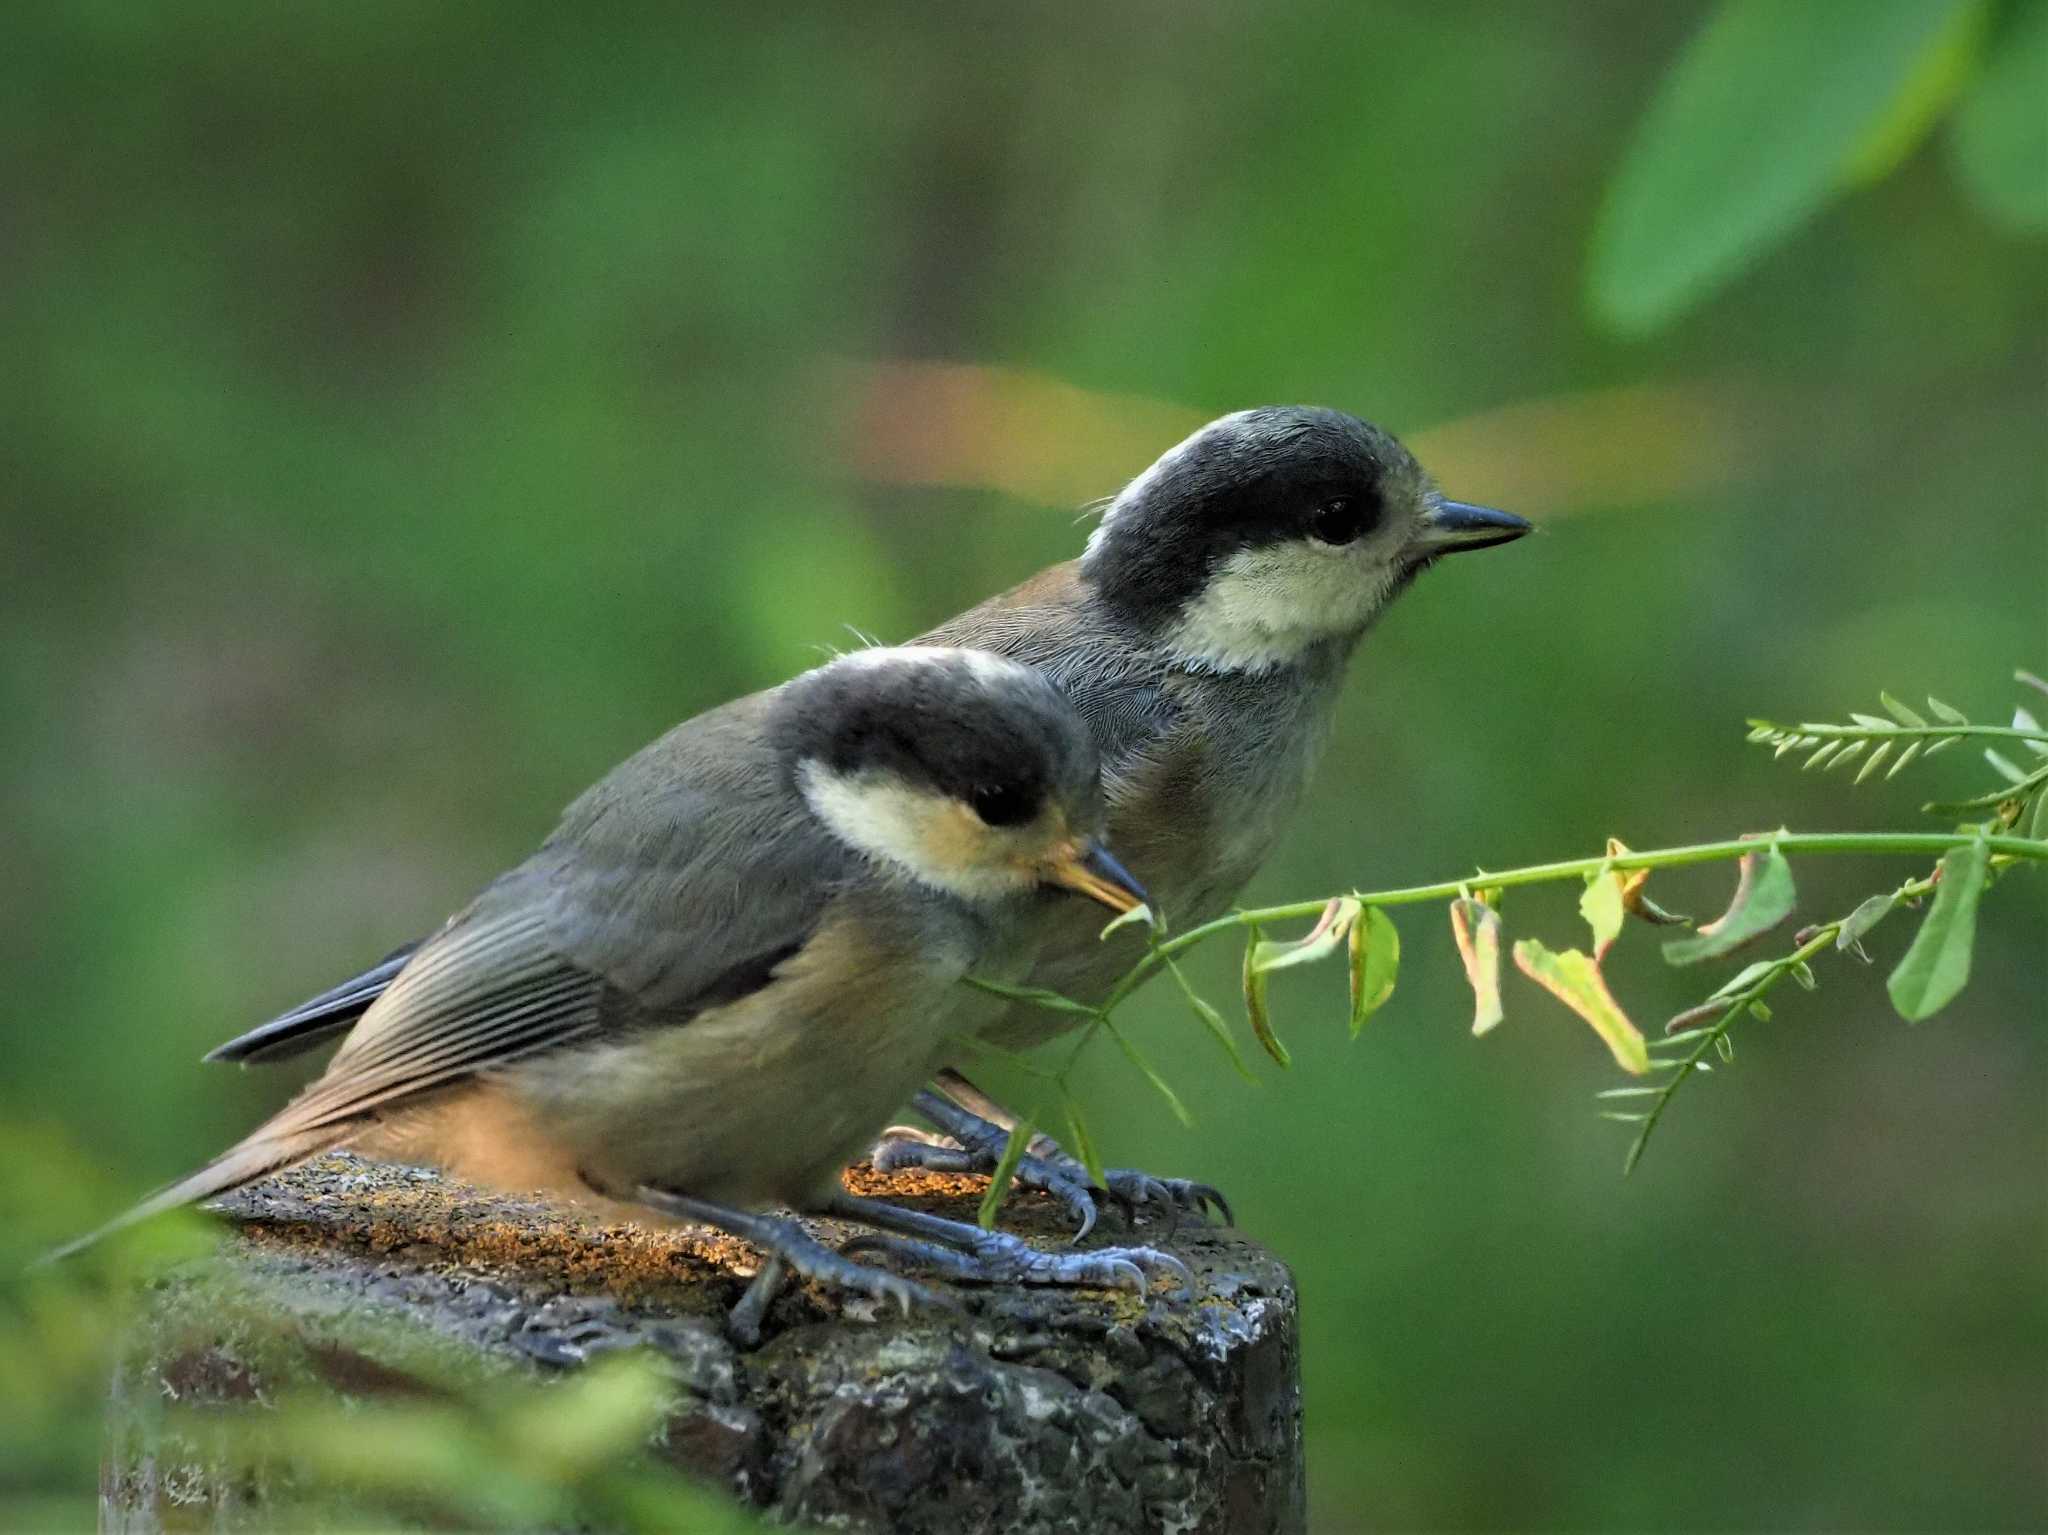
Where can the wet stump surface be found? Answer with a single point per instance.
(1032, 1409)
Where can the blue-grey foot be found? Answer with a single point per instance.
(960, 1251)
(786, 1248)
(978, 1128)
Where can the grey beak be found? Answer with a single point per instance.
(1088, 869)
(1452, 527)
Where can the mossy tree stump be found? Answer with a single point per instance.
(1028, 1410)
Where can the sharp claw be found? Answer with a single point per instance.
(1086, 1211)
(1182, 1274)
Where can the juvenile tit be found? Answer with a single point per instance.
(1203, 636)
(735, 957)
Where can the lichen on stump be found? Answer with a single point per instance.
(1029, 1409)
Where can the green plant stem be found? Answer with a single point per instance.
(1907, 843)
(1907, 732)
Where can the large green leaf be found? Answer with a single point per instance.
(1999, 139)
(1769, 109)
(1937, 966)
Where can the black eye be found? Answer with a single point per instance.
(1342, 519)
(1002, 804)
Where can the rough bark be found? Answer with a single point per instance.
(1032, 1410)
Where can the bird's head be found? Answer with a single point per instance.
(1272, 532)
(966, 771)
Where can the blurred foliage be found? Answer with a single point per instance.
(460, 1454)
(410, 416)
(1774, 109)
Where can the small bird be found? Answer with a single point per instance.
(1203, 637)
(737, 955)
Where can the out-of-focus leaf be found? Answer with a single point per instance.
(1602, 907)
(1375, 964)
(1005, 1170)
(2004, 766)
(1860, 921)
(602, 1413)
(1083, 1142)
(2037, 823)
(1900, 712)
(1937, 966)
(1744, 978)
(1213, 1021)
(2022, 720)
(1575, 980)
(1998, 139)
(1756, 125)
(1938, 76)
(1948, 714)
(1764, 897)
(1137, 1059)
(1476, 927)
(1255, 1007)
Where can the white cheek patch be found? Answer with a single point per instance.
(1266, 607)
(889, 821)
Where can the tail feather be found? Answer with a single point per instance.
(260, 1155)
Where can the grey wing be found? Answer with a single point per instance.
(679, 882)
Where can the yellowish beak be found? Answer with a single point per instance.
(1087, 868)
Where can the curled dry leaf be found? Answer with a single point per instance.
(1255, 1007)
(1575, 980)
(1476, 927)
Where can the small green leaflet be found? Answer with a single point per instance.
(1998, 139)
(1084, 1143)
(1006, 1169)
(1937, 966)
(1604, 910)
(1860, 921)
(1375, 964)
(1212, 1021)
(1476, 928)
(1132, 1054)
(1764, 897)
(1575, 980)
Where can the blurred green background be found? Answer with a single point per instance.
(412, 409)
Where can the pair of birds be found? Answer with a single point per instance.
(740, 952)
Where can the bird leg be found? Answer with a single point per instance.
(979, 1128)
(960, 1251)
(787, 1248)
